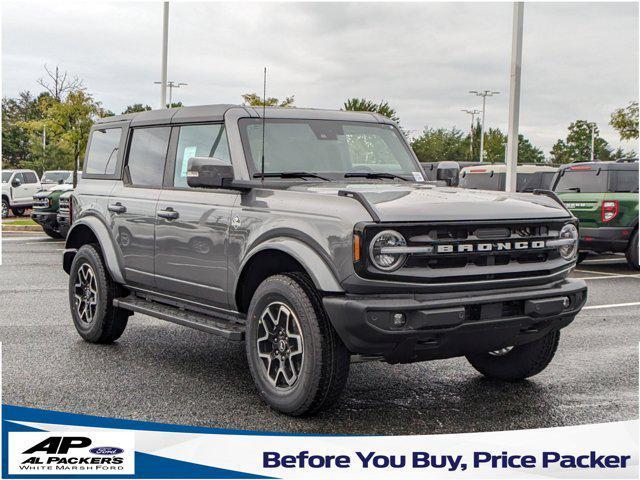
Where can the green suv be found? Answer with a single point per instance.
(604, 198)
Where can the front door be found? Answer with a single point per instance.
(133, 202)
(193, 224)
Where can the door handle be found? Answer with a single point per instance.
(117, 208)
(168, 213)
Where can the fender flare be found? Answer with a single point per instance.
(101, 232)
(321, 275)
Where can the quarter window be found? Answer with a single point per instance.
(199, 141)
(147, 153)
(102, 157)
(624, 181)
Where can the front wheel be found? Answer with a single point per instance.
(5, 208)
(297, 361)
(91, 294)
(517, 363)
(52, 233)
(632, 252)
(18, 212)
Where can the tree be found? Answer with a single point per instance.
(15, 139)
(58, 85)
(577, 146)
(439, 144)
(254, 100)
(625, 121)
(495, 147)
(364, 105)
(136, 107)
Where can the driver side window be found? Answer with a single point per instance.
(199, 141)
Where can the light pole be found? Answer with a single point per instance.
(473, 114)
(484, 94)
(165, 46)
(514, 98)
(171, 86)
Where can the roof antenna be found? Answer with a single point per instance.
(264, 105)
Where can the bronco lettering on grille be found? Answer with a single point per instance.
(490, 247)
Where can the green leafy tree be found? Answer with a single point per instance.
(625, 121)
(439, 144)
(255, 100)
(136, 107)
(495, 147)
(174, 105)
(15, 138)
(577, 146)
(364, 105)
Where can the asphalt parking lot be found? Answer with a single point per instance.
(166, 373)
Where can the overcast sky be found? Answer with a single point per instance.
(580, 60)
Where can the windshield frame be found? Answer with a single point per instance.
(254, 171)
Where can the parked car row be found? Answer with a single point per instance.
(18, 189)
(602, 195)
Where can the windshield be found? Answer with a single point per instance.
(6, 176)
(56, 177)
(332, 148)
(482, 181)
(582, 180)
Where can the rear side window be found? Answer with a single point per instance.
(481, 181)
(578, 180)
(546, 179)
(199, 141)
(147, 154)
(103, 151)
(624, 181)
(30, 177)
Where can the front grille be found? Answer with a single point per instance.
(444, 253)
(41, 203)
(64, 207)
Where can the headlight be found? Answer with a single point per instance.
(382, 251)
(568, 241)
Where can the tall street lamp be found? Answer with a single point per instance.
(171, 86)
(165, 47)
(484, 94)
(593, 140)
(473, 114)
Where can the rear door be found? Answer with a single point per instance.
(193, 224)
(583, 188)
(31, 184)
(133, 202)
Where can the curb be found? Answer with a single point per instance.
(21, 228)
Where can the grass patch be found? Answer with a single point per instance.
(23, 221)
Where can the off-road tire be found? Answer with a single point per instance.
(632, 252)
(5, 208)
(108, 322)
(582, 257)
(325, 366)
(521, 362)
(18, 212)
(52, 233)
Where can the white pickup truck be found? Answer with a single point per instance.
(18, 188)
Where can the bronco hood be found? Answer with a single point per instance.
(414, 202)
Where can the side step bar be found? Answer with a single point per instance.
(206, 323)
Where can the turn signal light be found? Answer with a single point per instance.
(609, 210)
(357, 247)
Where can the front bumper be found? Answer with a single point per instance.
(448, 325)
(46, 219)
(605, 239)
(63, 224)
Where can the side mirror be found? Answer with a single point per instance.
(61, 181)
(16, 182)
(209, 172)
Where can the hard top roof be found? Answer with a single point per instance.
(213, 113)
(624, 165)
(502, 168)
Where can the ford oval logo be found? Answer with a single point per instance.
(106, 451)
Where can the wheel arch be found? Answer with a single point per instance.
(280, 255)
(92, 230)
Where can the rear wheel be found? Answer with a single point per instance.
(5, 208)
(517, 363)
(632, 252)
(91, 294)
(18, 212)
(297, 361)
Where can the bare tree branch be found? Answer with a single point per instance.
(58, 84)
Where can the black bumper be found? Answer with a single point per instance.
(605, 239)
(63, 225)
(451, 325)
(46, 219)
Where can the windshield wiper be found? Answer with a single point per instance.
(574, 189)
(373, 175)
(290, 175)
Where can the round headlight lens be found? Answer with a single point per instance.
(569, 231)
(385, 260)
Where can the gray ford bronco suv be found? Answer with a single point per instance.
(312, 236)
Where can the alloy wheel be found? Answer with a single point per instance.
(86, 294)
(280, 345)
(501, 352)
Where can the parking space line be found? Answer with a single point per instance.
(43, 243)
(608, 277)
(612, 305)
(600, 273)
(605, 260)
